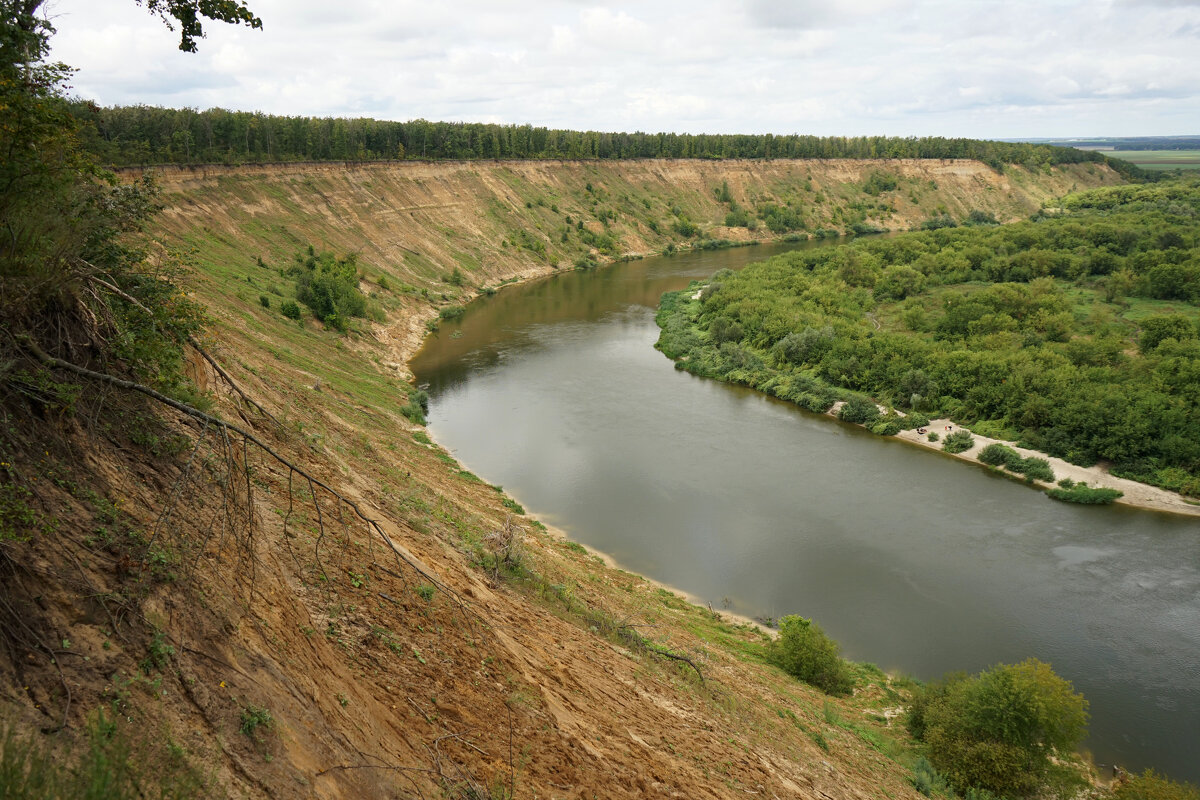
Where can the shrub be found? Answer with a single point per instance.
(933, 437)
(806, 652)
(1000, 729)
(329, 287)
(737, 219)
(1157, 329)
(723, 329)
(887, 426)
(289, 309)
(1037, 469)
(452, 313)
(939, 221)
(686, 228)
(808, 345)
(417, 407)
(264, 301)
(926, 780)
(997, 455)
(1151, 786)
(818, 401)
(879, 182)
(959, 441)
(254, 718)
(1086, 495)
(858, 409)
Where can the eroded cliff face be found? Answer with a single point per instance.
(454, 647)
(502, 221)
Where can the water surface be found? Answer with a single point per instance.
(912, 560)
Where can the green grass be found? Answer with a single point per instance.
(1159, 159)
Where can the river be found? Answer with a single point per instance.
(912, 560)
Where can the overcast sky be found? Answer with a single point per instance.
(897, 67)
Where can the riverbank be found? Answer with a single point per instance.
(1135, 495)
(914, 563)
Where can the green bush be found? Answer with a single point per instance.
(1036, 468)
(450, 313)
(927, 781)
(858, 409)
(685, 227)
(997, 455)
(264, 301)
(959, 441)
(253, 718)
(1151, 786)
(933, 437)
(879, 182)
(1086, 495)
(887, 426)
(724, 329)
(329, 287)
(817, 401)
(417, 407)
(1000, 730)
(806, 652)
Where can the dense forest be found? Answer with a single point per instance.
(1077, 333)
(127, 135)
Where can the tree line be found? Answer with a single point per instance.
(133, 135)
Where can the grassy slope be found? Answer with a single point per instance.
(377, 684)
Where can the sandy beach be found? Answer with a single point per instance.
(1139, 495)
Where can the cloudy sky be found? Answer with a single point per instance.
(898, 67)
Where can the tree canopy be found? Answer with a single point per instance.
(124, 135)
(1076, 334)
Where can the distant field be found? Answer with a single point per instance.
(1159, 159)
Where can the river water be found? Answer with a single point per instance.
(912, 560)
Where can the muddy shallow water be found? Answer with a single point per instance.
(912, 560)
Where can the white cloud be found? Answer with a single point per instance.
(875, 66)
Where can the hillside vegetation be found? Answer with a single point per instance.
(1075, 334)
